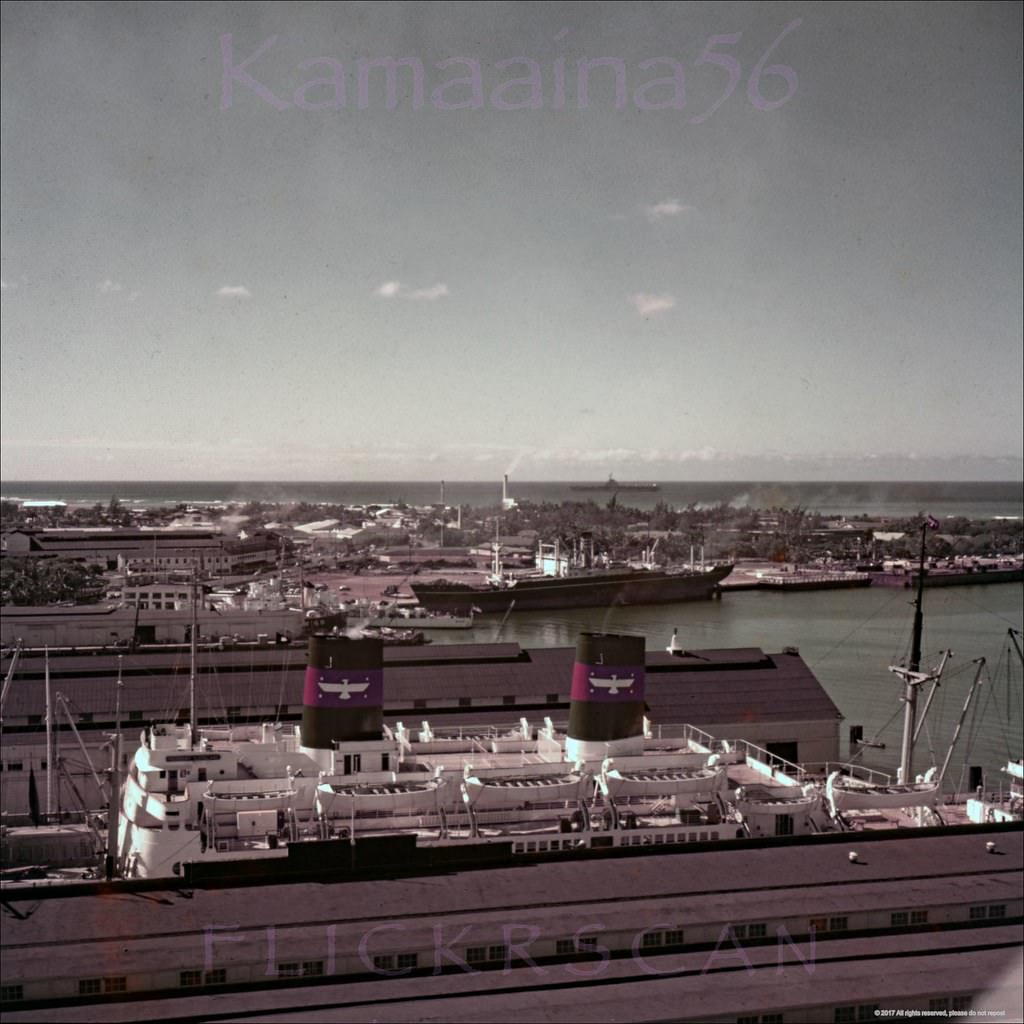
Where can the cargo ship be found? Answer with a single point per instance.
(562, 583)
(586, 589)
(613, 485)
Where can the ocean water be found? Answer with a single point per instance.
(975, 500)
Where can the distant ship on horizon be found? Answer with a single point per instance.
(613, 485)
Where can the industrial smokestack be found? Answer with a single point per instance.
(606, 711)
(504, 489)
(343, 698)
(587, 545)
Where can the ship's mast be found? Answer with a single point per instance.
(1013, 634)
(8, 679)
(496, 568)
(49, 738)
(960, 721)
(912, 678)
(444, 515)
(115, 781)
(193, 629)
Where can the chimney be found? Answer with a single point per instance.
(606, 710)
(343, 698)
(504, 489)
(587, 544)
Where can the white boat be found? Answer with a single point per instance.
(419, 618)
(338, 802)
(525, 789)
(669, 781)
(845, 793)
(207, 799)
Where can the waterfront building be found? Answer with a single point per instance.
(808, 929)
(111, 549)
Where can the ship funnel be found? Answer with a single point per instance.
(344, 693)
(606, 710)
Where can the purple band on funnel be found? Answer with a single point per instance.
(607, 684)
(343, 688)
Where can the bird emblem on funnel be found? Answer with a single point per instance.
(342, 690)
(612, 683)
(329, 688)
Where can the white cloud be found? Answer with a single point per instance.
(666, 208)
(650, 305)
(109, 287)
(395, 289)
(234, 291)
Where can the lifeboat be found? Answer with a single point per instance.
(519, 790)
(341, 800)
(692, 783)
(848, 794)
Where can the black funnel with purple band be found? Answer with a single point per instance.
(606, 713)
(344, 693)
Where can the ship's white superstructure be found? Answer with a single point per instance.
(249, 793)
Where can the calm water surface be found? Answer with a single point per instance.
(848, 638)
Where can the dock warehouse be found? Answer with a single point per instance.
(772, 700)
(792, 930)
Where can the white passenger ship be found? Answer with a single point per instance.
(231, 795)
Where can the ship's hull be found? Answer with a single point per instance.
(970, 579)
(593, 591)
(612, 488)
(950, 578)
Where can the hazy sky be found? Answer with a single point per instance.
(213, 269)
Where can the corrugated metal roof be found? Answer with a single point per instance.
(753, 687)
(808, 874)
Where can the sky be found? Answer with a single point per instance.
(771, 240)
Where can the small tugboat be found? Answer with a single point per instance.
(394, 637)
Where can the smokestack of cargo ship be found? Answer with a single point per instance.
(343, 700)
(606, 711)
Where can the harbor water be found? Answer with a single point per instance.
(849, 638)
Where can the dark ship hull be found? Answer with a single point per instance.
(613, 485)
(590, 590)
(969, 578)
